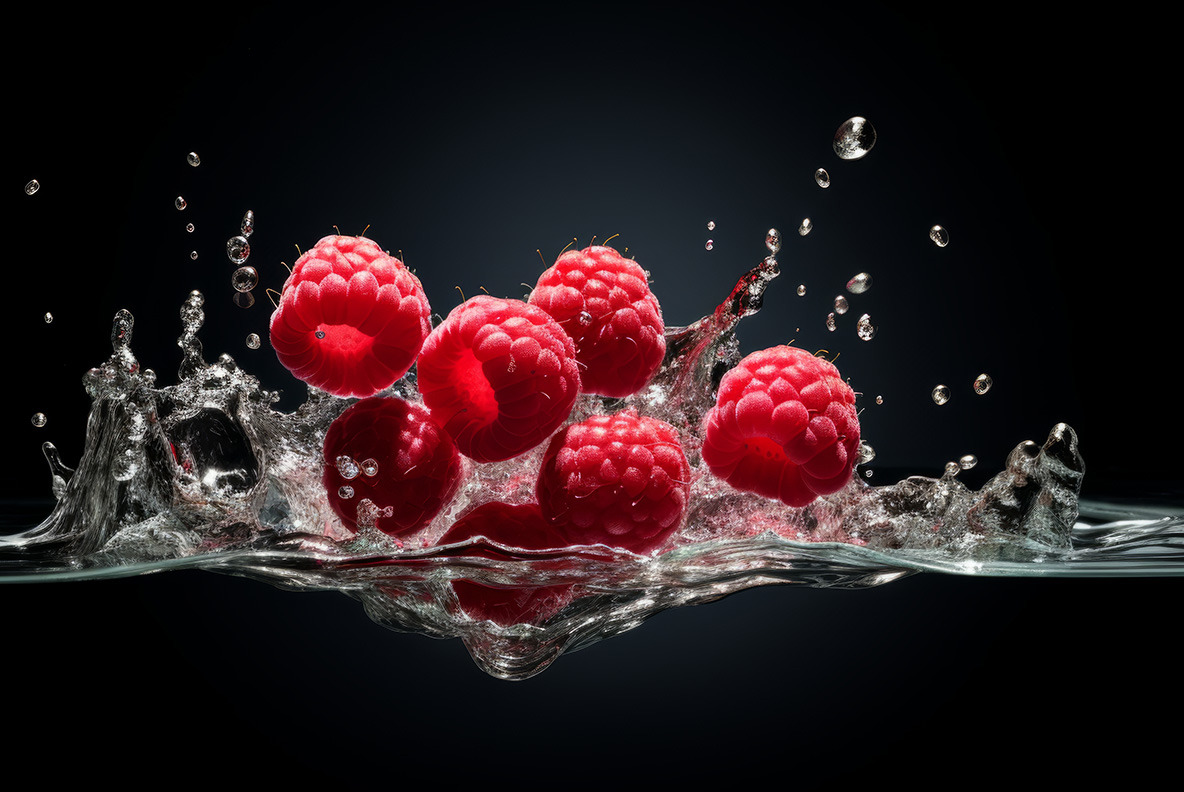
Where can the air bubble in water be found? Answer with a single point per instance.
(345, 492)
(244, 279)
(860, 283)
(180, 203)
(841, 305)
(243, 299)
(983, 383)
(805, 227)
(939, 235)
(710, 225)
(940, 394)
(248, 224)
(370, 467)
(193, 159)
(32, 187)
(48, 318)
(347, 467)
(39, 419)
(854, 138)
(801, 290)
(773, 240)
(968, 461)
(253, 341)
(238, 249)
(864, 328)
(709, 244)
(830, 322)
(822, 177)
(866, 453)
(193, 255)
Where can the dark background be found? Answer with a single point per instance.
(470, 137)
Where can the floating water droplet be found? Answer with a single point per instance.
(952, 468)
(710, 225)
(244, 279)
(248, 224)
(38, 419)
(347, 467)
(773, 240)
(940, 394)
(860, 283)
(830, 322)
(584, 318)
(939, 235)
(801, 290)
(319, 334)
(968, 461)
(32, 187)
(193, 255)
(189, 228)
(370, 467)
(983, 383)
(48, 318)
(253, 341)
(243, 299)
(866, 453)
(238, 249)
(822, 177)
(879, 400)
(841, 305)
(867, 474)
(193, 159)
(854, 138)
(345, 492)
(709, 244)
(180, 203)
(806, 227)
(864, 328)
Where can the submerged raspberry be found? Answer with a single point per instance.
(784, 426)
(351, 318)
(388, 464)
(499, 375)
(604, 302)
(621, 480)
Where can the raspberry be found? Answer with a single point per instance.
(499, 375)
(621, 480)
(784, 426)
(351, 318)
(519, 526)
(604, 302)
(388, 464)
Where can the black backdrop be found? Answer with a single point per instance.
(470, 137)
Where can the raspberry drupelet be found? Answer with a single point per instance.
(784, 426)
(603, 301)
(351, 318)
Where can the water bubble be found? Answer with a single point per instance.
(801, 290)
(584, 318)
(773, 240)
(39, 419)
(48, 318)
(983, 383)
(193, 255)
(244, 279)
(345, 492)
(193, 159)
(238, 249)
(710, 225)
(866, 453)
(253, 341)
(319, 334)
(879, 400)
(180, 203)
(830, 322)
(841, 305)
(370, 467)
(860, 283)
(243, 299)
(968, 461)
(940, 394)
(189, 227)
(939, 235)
(347, 467)
(854, 138)
(822, 177)
(32, 187)
(867, 474)
(248, 224)
(709, 244)
(952, 468)
(864, 328)
(806, 227)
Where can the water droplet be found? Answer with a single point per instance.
(854, 138)
(193, 255)
(189, 228)
(940, 394)
(879, 400)
(253, 341)
(193, 159)
(864, 328)
(968, 461)
(32, 187)
(867, 474)
(939, 235)
(345, 492)
(801, 290)
(983, 383)
(952, 468)
(830, 322)
(38, 420)
(248, 224)
(710, 225)
(805, 227)
(243, 299)
(866, 453)
(584, 318)
(238, 249)
(180, 203)
(370, 467)
(347, 467)
(860, 283)
(773, 240)
(822, 177)
(244, 279)
(709, 244)
(48, 318)
(841, 305)
(319, 334)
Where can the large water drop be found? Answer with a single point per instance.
(193, 159)
(773, 240)
(253, 341)
(983, 383)
(859, 283)
(822, 177)
(180, 203)
(939, 235)
(244, 279)
(841, 305)
(854, 138)
(48, 318)
(801, 290)
(347, 467)
(248, 224)
(32, 187)
(39, 419)
(940, 394)
(238, 249)
(806, 227)
(865, 329)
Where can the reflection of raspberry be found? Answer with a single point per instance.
(620, 480)
(499, 375)
(388, 464)
(351, 318)
(784, 426)
(520, 526)
(605, 304)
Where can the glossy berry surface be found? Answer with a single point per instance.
(499, 375)
(621, 480)
(784, 426)
(351, 318)
(603, 301)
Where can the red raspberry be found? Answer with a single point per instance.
(351, 318)
(604, 302)
(621, 480)
(520, 526)
(784, 426)
(499, 375)
(388, 464)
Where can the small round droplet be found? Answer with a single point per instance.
(48, 318)
(32, 187)
(238, 249)
(248, 224)
(370, 467)
(830, 322)
(347, 467)
(939, 235)
(189, 227)
(801, 290)
(968, 461)
(345, 492)
(244, 279)
(193, 255)
(319, 334)
(39, 419)
(952, 468)
(710, 225)
(584, 318)
(822, 177)
(854, 138)
(253, 341)
(773, 240)
(860, 283)
(940, 394)
(841, 305)
(866, 453)
(243, 299)
(864, 328)
(710, 244)
(867, 474)
(806, 227)
(180, 203)
(879, 400)
(983, 383)
(193, 159)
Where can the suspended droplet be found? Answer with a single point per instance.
(345, 492)
(806, 227)
(879, 400)
(193, 159)
(370, 467)
(347, 467)
(180, 203)
(830, 322)
(244, 279)
(952, 468)
(940, 394)
(319, 334)
(248, 224)
(38, 419)
(866, 453)
(822, 177)
(238, 249)
(193, 255)
(773, 240)
(864, 328)
(584, 318)
(801, 290)
(253, 341)
(983, 383)
(32, 187)
(48, 318)
(710, 225)
(189, 227)
(709, 244)
(867, 474)
(939, 235)
(854, 138)
(841, 305)
(243, 299)
(968, 461)
(860, 283)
